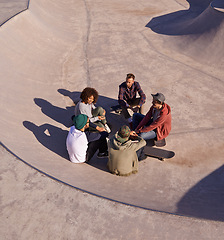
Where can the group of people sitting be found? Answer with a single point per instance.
(90, 131)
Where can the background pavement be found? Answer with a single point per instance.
(51, 52)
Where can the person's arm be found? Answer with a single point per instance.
(141, 94)
(145, 120)
(121, 100)
(141, 143)
(87, 110)
(100, 129)
(156, 123)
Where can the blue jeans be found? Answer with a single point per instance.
(137, 118)
(148, 135)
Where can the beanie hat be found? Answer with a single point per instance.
(158, 97)
(123, 134)
(80, 121)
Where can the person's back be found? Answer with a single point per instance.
(123, 159)
(76, 143)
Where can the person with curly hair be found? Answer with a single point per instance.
(89, 97)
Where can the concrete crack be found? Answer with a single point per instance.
(86, 42)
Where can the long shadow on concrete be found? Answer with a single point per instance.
(103, 101)
(114, 120)
(199, 18)
(206, 199)
(60, 115)
(51, 137)
(54, 138)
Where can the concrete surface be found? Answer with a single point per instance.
(53, 50)
(8, 9)
(33, 206)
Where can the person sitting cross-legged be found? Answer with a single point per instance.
(123, 152)
(127, 97)
(156, 124)
(82, 144)
(87, 106)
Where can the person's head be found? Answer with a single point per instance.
(81, 122)
(123, 134)
(158, 100)
(89, 95)
(130, 80)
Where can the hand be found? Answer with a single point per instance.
(101, 117)
(138, 131)
(135, 109)
(133, 133)
(100, 129)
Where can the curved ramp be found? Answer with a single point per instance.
(53, 50)
(218, 5)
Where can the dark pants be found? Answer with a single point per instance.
(100, 144)
(133, 103)
(140, 154)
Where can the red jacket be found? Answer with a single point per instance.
(162, 124)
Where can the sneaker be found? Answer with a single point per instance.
(102, 155)
(107, 128)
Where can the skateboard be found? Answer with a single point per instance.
(116, 108)
(161, 154)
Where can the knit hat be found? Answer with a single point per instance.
(123, 134)
(158, 97)
(80, 121)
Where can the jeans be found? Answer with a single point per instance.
(148, 135)
(137, 118)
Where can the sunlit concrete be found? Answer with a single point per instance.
(51, 51)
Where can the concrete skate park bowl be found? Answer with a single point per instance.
(53, 50)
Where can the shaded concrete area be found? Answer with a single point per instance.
(193, 36)
(9, 9)
(54, 50)
(199, 18)
(206, 199)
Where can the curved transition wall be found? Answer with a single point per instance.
(53, 50)
(218, 5)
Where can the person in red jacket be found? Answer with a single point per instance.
(156, 124)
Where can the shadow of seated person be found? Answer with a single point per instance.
(58, 114)
(51, 137)
(92, 104)
(74, 96)
(103, 101)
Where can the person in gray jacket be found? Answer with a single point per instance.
(123, 152)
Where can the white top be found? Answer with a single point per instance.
(77, 145)
(85, 108)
